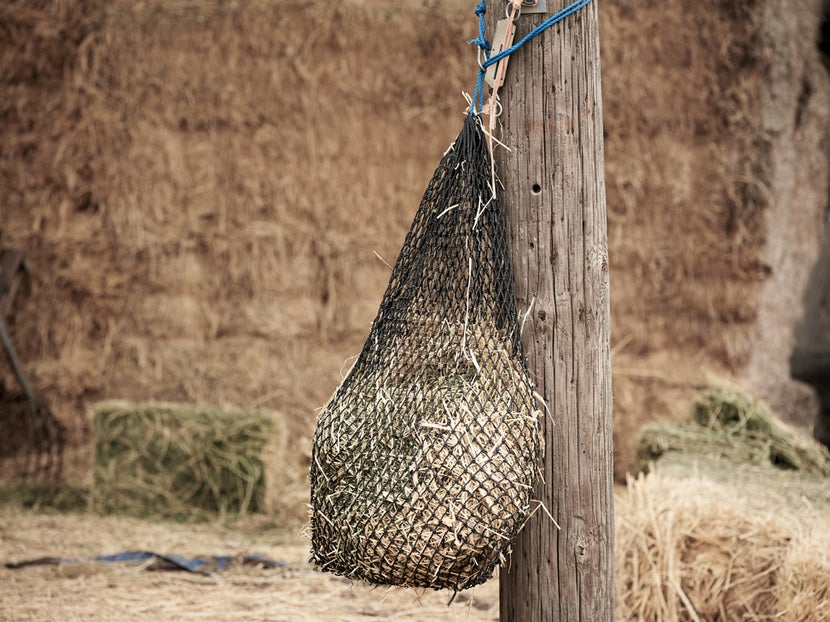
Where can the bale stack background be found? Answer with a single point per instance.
(199, 189)
(203, 188)
(200, 186)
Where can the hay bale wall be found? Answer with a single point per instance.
(199, 187)
(183, 461)
(201, 202)
(715, 112)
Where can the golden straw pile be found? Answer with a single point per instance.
(731, 523)
(695, 550)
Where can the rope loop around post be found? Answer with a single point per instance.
(477, 104)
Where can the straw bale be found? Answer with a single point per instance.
(730, 522)
(804, 591)
(185, 461)
(694, 550)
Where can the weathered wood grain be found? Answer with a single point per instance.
(554, 195)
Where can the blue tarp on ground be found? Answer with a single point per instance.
(204, 565)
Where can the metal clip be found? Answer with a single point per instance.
(509, 6)
(534, 6)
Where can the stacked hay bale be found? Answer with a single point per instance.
(184, 461)
(729, 523)
(729, 431)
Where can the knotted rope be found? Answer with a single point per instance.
(477, 104)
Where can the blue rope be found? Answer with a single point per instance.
(481, 41)
(477, 103)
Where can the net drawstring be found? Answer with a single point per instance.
(477, 104)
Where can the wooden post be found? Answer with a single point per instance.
(554, 196)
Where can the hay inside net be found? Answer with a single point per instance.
(185, 461)
(424, 459)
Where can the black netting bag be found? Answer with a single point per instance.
(424, 459)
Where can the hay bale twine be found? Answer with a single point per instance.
(185, 461)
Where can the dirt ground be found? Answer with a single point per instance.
(115, 591)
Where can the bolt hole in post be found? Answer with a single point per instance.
(536, 189)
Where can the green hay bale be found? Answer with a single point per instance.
(749, 420)
(185, 462)
(731, 426)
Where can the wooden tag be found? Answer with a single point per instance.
(499, 43)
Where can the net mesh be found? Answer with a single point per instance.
(424, 459)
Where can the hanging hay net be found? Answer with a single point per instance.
(424, 459)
